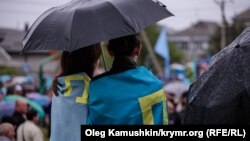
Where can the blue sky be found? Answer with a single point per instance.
(15, 13)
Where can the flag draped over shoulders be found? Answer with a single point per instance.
(132, 97)
(69, 109)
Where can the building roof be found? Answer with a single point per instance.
(201, 28)
(11, 39)
(199, 32)
(245, 15)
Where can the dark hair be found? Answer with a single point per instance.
(81, 60)
(9, 119)
(31, 114)
(185, 94)
(124, 46)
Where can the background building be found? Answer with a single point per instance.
(195, 39)
(243, 18)
(10, 53)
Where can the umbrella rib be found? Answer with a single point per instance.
(33, 27)
(71, 26)
(122, 16)
(40, 18)
(70, 41)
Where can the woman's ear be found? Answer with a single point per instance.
(137, 50)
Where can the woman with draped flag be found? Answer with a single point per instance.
(127, 94)
(69, 110)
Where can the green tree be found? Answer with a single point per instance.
(153, 31)
(233, 31)
(9, 70)
(176, 54)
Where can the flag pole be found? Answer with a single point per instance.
(151, 53)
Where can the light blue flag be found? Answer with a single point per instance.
(162, 49)
(69, 109)
(133, 97)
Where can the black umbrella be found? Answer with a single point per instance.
(81, 23)
(222, 94)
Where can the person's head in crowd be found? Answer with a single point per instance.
(7, 130)
(21, 106)
(32, 115)
(171, 98)
(126, 46)
(9, 119)
(184, 98)
(3, 90)
(171, 108)
(18, 90)
(85, 59)
(1, 96)
(28, 88)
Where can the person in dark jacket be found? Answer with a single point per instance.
(21, 109)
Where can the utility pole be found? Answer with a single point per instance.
(221, 4)
(151, 53)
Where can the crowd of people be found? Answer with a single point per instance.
(127, 94)
(24, 112)
(82, 98)
(22, 125)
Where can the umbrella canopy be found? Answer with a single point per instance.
(221, 95)
(176, 66)
(80, 23)
(7, 108)
(4, 78)
(40, 99)
(32, 104)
